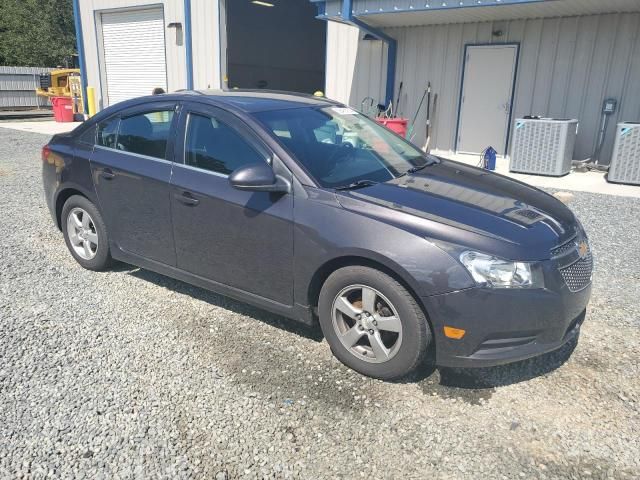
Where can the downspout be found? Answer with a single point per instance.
(80, 47)
(392, 46)
(187, 43)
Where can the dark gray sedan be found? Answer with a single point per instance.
(308, 209)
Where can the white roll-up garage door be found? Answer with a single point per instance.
(134, 53)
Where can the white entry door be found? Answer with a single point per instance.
(134, 58)
(487, 91)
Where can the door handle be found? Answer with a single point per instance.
(186, 198)
(107, 174)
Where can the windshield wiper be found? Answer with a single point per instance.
(356, 184)
(431, 161)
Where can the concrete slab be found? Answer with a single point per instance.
(46, 127)
(592, 182)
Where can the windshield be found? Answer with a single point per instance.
(340, 147)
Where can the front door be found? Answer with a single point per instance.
(131, 172)
(237, 238)
(485, 103)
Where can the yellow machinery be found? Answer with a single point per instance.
(63, 83)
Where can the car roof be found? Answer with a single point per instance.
(242, 101)
(263, 100)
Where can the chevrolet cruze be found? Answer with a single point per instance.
(308, 209)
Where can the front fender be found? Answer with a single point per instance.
(325, 232)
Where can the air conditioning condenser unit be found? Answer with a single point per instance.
(543, 146)
(625, 162)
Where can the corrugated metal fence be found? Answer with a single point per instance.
(18, 87)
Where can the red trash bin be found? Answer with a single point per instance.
(62, 109)
(397, 125)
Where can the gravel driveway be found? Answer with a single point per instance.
(129, 374)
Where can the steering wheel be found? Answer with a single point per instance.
(342, 153)
(339, 154)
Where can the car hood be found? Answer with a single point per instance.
(471, 207)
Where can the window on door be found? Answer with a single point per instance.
(214, 146)
(146, 133)
(108, 132)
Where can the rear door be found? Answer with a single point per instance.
(237, 238)
(131, 171)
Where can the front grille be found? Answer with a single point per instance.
(562, 249)
(577, 276)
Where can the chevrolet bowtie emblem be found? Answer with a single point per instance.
(583, 249)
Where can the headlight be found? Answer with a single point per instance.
(498, 273)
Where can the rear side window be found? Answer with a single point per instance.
(146, 134)
(213, 145)
(108, 133)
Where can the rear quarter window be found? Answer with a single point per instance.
(88, 137)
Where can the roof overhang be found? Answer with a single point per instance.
(382, 13)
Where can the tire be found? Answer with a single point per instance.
(403, 351)
(94, 232)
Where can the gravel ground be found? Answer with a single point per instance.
(129, 374)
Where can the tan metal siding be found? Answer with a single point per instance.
(205, 34)
(567, 66)
(344, 82)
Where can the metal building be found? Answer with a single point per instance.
(127, 48)
(489, 62)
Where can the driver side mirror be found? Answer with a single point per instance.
(258, 177)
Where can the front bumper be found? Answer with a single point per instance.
(506, 325)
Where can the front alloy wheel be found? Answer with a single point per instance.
(372, 323)
(367, 324)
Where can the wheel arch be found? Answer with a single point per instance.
(326, 269)
(322, 273)
(62, 196)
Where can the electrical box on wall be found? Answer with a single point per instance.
(609, 106)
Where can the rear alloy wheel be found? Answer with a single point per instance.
(372, 323)
(82, 233)
(85, 233)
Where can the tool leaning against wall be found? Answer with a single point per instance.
(387, 115)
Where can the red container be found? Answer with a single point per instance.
(62, 109)
(397, 125)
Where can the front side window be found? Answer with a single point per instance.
(339, 146)
(108, 133)
(213, 145)
(146, 133)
